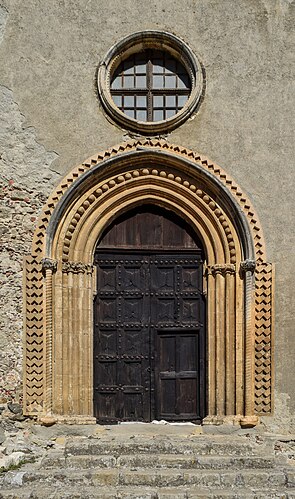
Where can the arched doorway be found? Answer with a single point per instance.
(61, 279)
(149, 320)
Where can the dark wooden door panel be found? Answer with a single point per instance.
(149, 348)
(187, 399)
(187, 352)
(177, 361)
(149, 227)
(121, 340)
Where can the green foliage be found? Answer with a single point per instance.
(13, 467)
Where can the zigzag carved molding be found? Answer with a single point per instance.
(132, 145)
(35, 283)
(34, 338)
(263, 339)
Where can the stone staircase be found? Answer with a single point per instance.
(137, 461)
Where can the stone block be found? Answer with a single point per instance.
(202, 478)
(80, 462)
(162, 478)
(277, 479)
(60, 440)
(105, 477)
(255, 478)
(53, 461)
(157, 461)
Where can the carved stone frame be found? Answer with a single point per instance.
(60, 278)
(150, 39)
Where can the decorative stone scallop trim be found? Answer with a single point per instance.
(157, 145)
(162, 175)
(60, 278)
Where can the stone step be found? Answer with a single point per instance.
(46, 492)
(158, 461)
(154, 446)
(149, 478)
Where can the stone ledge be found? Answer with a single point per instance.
(70, 420)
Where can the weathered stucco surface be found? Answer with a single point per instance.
(24, 189)
(49, 56)
(25, 182)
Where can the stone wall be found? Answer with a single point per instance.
(26, 181)
(51, 121)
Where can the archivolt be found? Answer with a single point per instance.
(106, 199)
(68, 188)
(83, 205)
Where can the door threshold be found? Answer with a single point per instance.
(160, 422)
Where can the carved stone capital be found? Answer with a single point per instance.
(77, 268)
(248, 266)
(222, 269)
(48, 264)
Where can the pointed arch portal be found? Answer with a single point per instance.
(61, 278)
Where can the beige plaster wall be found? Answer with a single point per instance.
(48, 57)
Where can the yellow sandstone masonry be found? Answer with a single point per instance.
(60, 277)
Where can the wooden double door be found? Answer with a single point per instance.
(149, 336)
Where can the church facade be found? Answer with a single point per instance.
(149, 288)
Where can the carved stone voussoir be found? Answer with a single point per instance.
(48, 264)
(77, 268)
(244, 374)
(222, 269)
(248, 266)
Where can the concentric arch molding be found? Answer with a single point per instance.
(60, 277)
(162, 150)
(114, 196)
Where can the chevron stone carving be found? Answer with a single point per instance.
(263, 339)
(156, 144)
(34, 341)
(56, 284)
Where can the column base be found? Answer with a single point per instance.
(236, 420)
(249, 421)
(68, 419)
